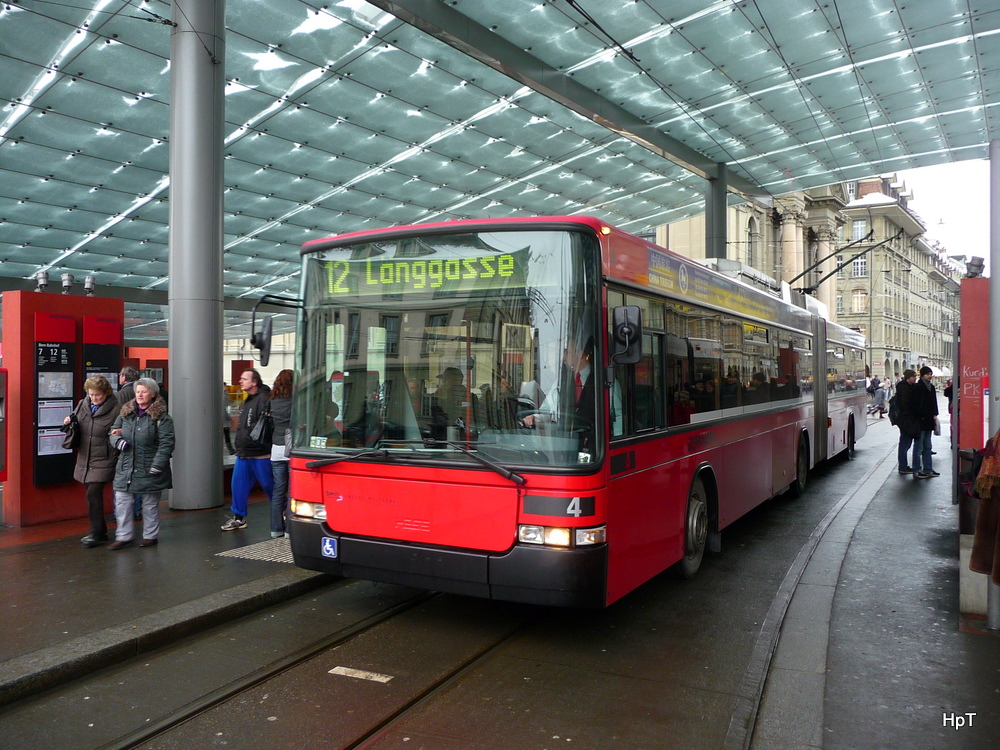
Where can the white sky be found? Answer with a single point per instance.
(959, 196)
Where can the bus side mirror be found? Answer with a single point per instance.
(262, 340)
(627, 333)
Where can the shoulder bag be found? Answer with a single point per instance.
(72, 437)
(263, 429)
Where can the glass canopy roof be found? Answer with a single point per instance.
(343, 116)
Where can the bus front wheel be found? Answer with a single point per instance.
(696, 530)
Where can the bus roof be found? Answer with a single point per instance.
(446, 227)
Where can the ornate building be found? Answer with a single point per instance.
(894, 285)
(899, 289)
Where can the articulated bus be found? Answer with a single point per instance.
(546, 410)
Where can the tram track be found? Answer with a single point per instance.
(194, 722)
(260, 676)
(386, 669)
(432, 691)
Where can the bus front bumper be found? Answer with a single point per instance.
(526, 573)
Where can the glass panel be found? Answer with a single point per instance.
(434, 346)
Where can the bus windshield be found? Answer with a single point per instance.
(435, 346)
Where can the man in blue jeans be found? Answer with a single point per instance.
(923, 402)
(253, 460)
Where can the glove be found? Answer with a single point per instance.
(121, 444)
(155, 470)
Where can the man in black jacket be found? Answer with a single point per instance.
(906, 422)
(253, 459)
(925, 409)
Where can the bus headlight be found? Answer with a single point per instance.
(307, 510)
(558, 536)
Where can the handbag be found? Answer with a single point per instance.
(263, 429)
(72, 437)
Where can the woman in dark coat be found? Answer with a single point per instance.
(95, 457)
(143, 433)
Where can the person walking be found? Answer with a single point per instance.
(95, 456)
(881, 399)
(253, 456)
(906, 422)
(126, 385)
(281, 414)
(925, 409)
(143, 434)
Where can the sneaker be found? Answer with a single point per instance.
(923, 475)
(234, 523)
(907, 470)
(277, 534)
(932, 473)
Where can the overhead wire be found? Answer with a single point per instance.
(800, 87)
(677, 101)
(859, 81)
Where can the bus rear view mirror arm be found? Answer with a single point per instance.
(627, 334)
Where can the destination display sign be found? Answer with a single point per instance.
(354, 278)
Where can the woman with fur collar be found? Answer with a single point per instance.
(143, 433)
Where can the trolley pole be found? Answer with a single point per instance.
(993, 592)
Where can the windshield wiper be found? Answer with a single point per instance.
(362, 453)
(502, 471)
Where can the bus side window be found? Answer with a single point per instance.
(648, 385)
(637, 398)
(621, 401)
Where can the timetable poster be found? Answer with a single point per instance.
(55, 395)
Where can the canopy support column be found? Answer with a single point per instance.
(993, 591)
(716, 210)
(197, 116)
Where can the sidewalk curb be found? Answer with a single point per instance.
(753, 709)
(46, 668)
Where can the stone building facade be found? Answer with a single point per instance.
(895, 286)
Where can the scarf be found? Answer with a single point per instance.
(989, 472)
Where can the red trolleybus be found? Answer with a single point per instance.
(546, 410)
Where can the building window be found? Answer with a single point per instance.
(840, 270)
(860, 266)
(859, 301)
(858, 229)
(840, 303)
(437, 330)
(353, 334)
(391, 325)
(751, 235)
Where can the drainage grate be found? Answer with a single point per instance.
(273, 550)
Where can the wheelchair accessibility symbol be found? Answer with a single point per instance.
(329, 547)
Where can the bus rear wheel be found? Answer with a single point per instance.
(849, 448)
(696, 530)
(801, 467)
